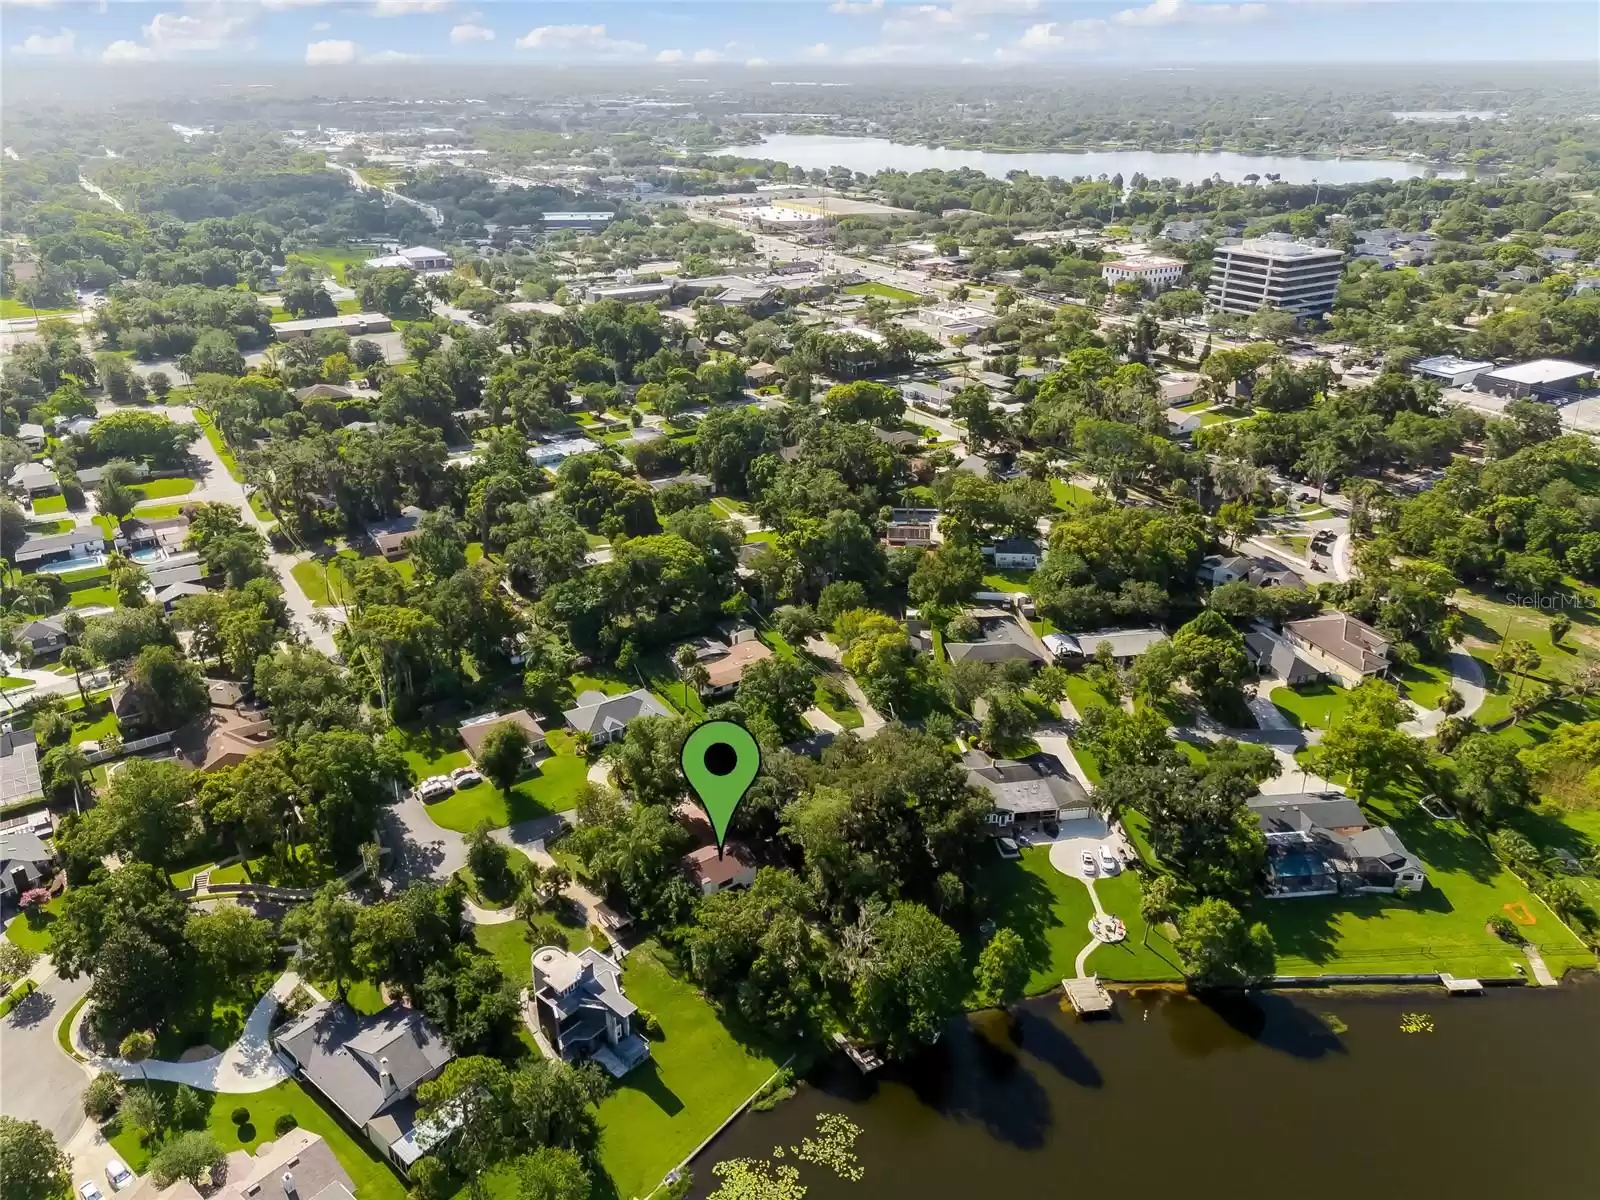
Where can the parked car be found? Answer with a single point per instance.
(1089, 867)
(463, 777)
(434, 788)
(1108, 860)
(90, 1190)
(117, 1175)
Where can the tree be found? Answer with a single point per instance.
(503, 753)
(468, 997)
(115, 499)
(1007, 719)
(1219, 949)
(32, 1166)
(1158, 903)
(326, 931)
(773, 694)
(1367, 744)
(1560, 626)
(143, 1109)
(912, 981)
(167, 688)
(191, 1156)
(1003, 970)
(146, 810)
(231, 944)
(1491, 780)
(101, 1097)
(864, 400)
(552, 1173)
(947, 576)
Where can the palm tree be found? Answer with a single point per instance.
(686, 661)
(78, 660)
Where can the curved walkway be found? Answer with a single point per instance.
(1466, 676)
(249, 1065)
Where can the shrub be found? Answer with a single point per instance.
(1504, 928)
(101, 1097)
(239, 1115)
(283, 1124)
(649, 1025)
(188, 1108)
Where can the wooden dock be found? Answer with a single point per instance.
(1461, 987)
(1088, 995)
(865, 1057)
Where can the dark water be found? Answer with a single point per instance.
(1259, 1098)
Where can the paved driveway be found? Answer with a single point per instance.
(1085, 833)
(37, 1081)
(420, 849)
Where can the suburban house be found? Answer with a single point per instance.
(323, 391)
(1003, 639)
(1014, 554)
(475, 731)
(390, 537)
(226, 735)
(41, 550)
(1125, 644)
(46, 636)
(694, 479)
(1321, 844)
(1274, 656)
(553, 454)
(19, 765)
(165, 533)
(578, 1005)
(606, 718)
(369, 1068)
(352, 324)
(31, 435)
(1027, 794)
(725, 661)
(300, 1165)
(1219, 569)
(1181, 424)
(32, 479)
(708, 871)
(25, 862)
(1338, 644)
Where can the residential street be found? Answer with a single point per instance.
(37, 1081)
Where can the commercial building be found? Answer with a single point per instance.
(781, 220)
(1449, 370)
(417, 258)
(1553, 380)
(577, 220)
(1152, 273)
(951, 319)
(1278, 272)
(354, 324)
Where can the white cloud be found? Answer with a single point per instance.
(707, 56)
(670, 56)
(48, 46)
(392, 56)
(471, 33)
(125, 51)
(856, 8)
(755, 62)
(1181, 12)
(1059, 35)
(591, 38)
(281, 5)
(820, 50)
(966, 9)
(330, 53)
(203, 27)
(920, 18)
(321, 26)
(406, 8)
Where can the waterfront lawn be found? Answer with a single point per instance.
(701, 1069)
(885, 290)
(1137, 959)
(1311, 705)
(1048, 910)
(554, 787)
(1442, 929)
(372, 1177)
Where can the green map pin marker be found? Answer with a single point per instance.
(720, 760)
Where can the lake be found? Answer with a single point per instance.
(1255, 1097)
(879, 154)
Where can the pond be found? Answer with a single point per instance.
(879, 154)
(1309, 1095)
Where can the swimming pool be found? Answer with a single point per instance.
(72, 564)
(153, 554)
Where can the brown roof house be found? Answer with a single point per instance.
(227, 734)
(706, 869)
(369, 1068)
(475, 731)
(390, 537)
(725, 662)
(1338, 644)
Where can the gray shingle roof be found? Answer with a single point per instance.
(614, 711)
(340, 1053)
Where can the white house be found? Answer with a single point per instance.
(1152, 273)
(1014, 554)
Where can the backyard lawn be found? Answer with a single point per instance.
(554, 787)
(1069, 495)
(1313, 705)
(161, 489)
(158, 512)
(1047, 910)
(886, 291)
(372, 1178)
(1008, 581)
(92, 597)
(33, 932)
(1426, 683)
(698, 1073)
(1442, 929)
(1137, 959)
(44, 506)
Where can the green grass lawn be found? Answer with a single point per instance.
(12, 682)
(847, 714)
(96, 729)
(234, 872)
(214, 436)
(373, 1179)
(44, 506)
(1295, 543)
(700, 1070)
(45, 528)
(1069, 495)
(1488, 621)
(333, 259)
(158, 512)
(886, 291)
(11, 307)
(1137, 959)
(33, 932)
(1442, 929)
(322, 585)
(161, 489)
(1426, 683)
(1008, 581)
(90, 597)
(554, 787)
(1048, 910)
(1312, 705)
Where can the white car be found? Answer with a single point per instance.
(90, 1190)
(435, 788)
(117, 1175)
(1089, 867)
(1108, 861)
(465, 777)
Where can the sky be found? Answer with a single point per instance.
(756, 34)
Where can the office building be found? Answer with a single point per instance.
(1278, 272)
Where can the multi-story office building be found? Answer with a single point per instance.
(1278, 272)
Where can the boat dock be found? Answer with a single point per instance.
(1461, 987)
(865, 1057)
(1088, 995)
